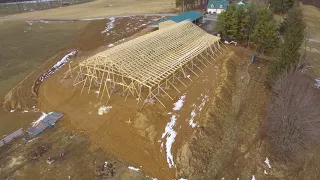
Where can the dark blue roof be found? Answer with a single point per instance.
(190, 15)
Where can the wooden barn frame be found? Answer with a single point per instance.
(144, 67)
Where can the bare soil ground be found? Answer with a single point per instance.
(129, 134)
(102, 8)
(28, 160)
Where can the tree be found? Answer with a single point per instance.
(292, 126)
(232, 23)
(265, 33)
(281, 6)
(293, 36)
(252, 20)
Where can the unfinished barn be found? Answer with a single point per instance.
(148, 65)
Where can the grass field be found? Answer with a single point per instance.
(102, 8)
(312, 18)
(25, 47)
(18, 7)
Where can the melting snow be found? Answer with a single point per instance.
(57, 66)
(199, 109)
(170, 133)
(267, 162)
(178, 105)
(133, 168)
(104, 109)
(109, 26)
(65, 59)
(39, 119)
(191, 123)
(29, 22)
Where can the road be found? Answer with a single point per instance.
(81, 19)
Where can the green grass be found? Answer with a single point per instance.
(25, 47)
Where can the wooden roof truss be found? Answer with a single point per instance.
(144, 67)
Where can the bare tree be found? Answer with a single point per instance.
(293, 119)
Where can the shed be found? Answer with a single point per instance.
(192, 16)
(217, 6)
(45, 121)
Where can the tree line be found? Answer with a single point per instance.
(255, 25)
(292, 125)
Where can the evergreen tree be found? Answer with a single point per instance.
(281, 6)
(293, 36)
(252, 20)
(232, 23)
(265, 33)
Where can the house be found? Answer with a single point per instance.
(192, 16)
(217, 6)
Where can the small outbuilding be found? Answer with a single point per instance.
(192, 16)
(217, 6)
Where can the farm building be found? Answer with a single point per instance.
(217, 6)
(192, 16)
(148, 65)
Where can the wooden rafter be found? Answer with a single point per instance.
(149, 61)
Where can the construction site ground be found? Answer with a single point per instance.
(227, 143)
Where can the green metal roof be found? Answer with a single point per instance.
(242, 3)
(190, 16)
(218, 4)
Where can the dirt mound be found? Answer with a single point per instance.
(227, 144)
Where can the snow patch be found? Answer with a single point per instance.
(197, 110)
(104, 109)
(253, 178)
(29, 22)
(265, 172)
(134, 169)
(268, 163)
(178, 105)
(170, 134)
(39, 119)
(110, 45)
(13, 110)
(57, 66)
(109, 26)
(65, 59)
